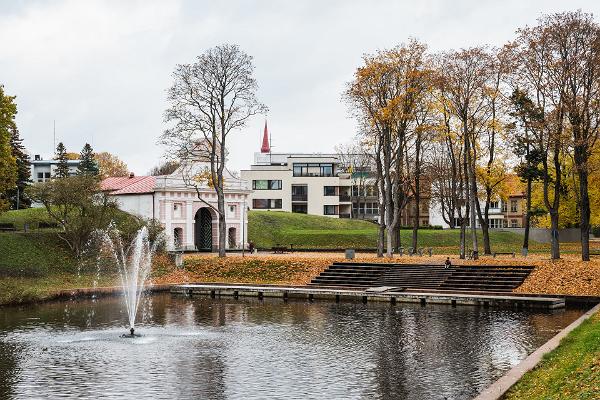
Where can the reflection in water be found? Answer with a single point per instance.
(230, 349)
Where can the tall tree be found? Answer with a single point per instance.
(110, 165)
(574, 38)
(87, 162)
(491, 170)
(8, 163)
(18, 197)
(62, 167)
(465, 76)
(543, 79)
(384, 96)
(526, 115)
(210, 99)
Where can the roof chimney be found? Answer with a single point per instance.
(265, 143)
(131, 175)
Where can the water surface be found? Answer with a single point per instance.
(249, 349)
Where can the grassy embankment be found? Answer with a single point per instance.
(571, 371)
(36, 264)
(271, 228)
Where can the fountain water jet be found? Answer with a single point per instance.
(134, 264)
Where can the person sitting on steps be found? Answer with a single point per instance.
(447, 263)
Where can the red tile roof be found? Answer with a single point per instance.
(127, 185)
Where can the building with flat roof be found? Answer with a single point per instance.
(297, 182)
(43, 170)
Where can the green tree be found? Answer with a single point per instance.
(8, 163)
(17, 196)
(87, 163)
(78, 205)
(62, 168)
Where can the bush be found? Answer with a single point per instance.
(596, 230)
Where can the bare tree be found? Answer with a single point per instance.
(355, 159)
(543, 80)
(209, 99)
(575, 43)
(384, 96)
(465, 76)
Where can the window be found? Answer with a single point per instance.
(232, 209)
(299, 208)
(513, 206)
(299, 193)
(177, 210)
(494, 204)
(264, 184)
(503, 206)
(514, 223)
(330, 210)
(266, 204)
(313, 169)
(496, 223)
(369, 208)
(328, 190)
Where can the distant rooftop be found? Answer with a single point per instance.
(129, 184)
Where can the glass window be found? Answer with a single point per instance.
(260, 204)
(513, 206)
(266, 204)
(40, 175)
(494, 204)
(260, 184)
(313, 169)
(514, 223)
(299, 208)
(275, 185)
(330, 210)
(329, 190)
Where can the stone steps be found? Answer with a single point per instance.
(424, 277)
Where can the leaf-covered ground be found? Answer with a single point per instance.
(568, 276)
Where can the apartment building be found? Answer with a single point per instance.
(507, 213)
(43, 170)
(301, 183)
(365, 204)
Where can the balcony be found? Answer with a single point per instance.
(344, 198)
(299, 197)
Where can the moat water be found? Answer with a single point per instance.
(206, 348)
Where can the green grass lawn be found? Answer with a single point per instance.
(31, 216)
(270, 228)
(571, 371)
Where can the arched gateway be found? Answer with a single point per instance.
(203, 230)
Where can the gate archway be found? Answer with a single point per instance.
(203, 230)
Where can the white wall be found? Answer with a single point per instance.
(137, 204)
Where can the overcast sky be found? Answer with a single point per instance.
(101, 68)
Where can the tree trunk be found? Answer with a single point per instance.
(584, 224)
(222, 223)
(485, 230)
(463, 236)
(380, 239)
(525, 250)
(555, 244)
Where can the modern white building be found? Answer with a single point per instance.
(300, 183)
(44, 170)
(190, 223)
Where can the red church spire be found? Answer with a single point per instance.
(265, 144)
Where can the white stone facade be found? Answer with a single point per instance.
(177, 207)
(304, 183)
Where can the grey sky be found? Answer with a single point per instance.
(100, 68)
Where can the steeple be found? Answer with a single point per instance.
(265, 143)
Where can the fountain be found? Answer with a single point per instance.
(134, 263)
